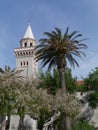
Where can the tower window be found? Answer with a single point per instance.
(21, 63)
(24, 53)
(31, 44)
(24, 62)
(25, 44)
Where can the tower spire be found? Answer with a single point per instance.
(29, 33)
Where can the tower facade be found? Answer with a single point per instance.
(25, 55)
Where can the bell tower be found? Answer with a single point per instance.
(25, 55)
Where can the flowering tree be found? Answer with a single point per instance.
(8, 80)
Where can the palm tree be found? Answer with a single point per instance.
(57, 49)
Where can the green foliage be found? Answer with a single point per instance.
(1, 70)
(51, 82)
(91, 82)
(91, 86)
(60, 122)
(43, 116)
(70, 81)
(92, 98)
(6, 101)
(82, 125)
(8, 80)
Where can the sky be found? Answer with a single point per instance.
(44, 16)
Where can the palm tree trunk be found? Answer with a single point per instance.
(3, 123)
(61, 69)
(63, 89)
(62, 79)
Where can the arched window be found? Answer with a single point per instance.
(24, 53)
(24, 62)
(25, 44)
(21, 63)
(31, 44)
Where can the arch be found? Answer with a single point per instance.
(31, 44)
(25, 44)
(21, 63)
(24, 53)
(24, 62)
(27, 62)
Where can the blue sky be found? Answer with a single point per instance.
(45, 15)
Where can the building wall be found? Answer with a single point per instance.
(28, 65)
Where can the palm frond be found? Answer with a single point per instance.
(55, 46)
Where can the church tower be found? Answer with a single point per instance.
(25, 55)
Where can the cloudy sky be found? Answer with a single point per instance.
(45, 15)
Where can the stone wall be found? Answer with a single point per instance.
(29, 123)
